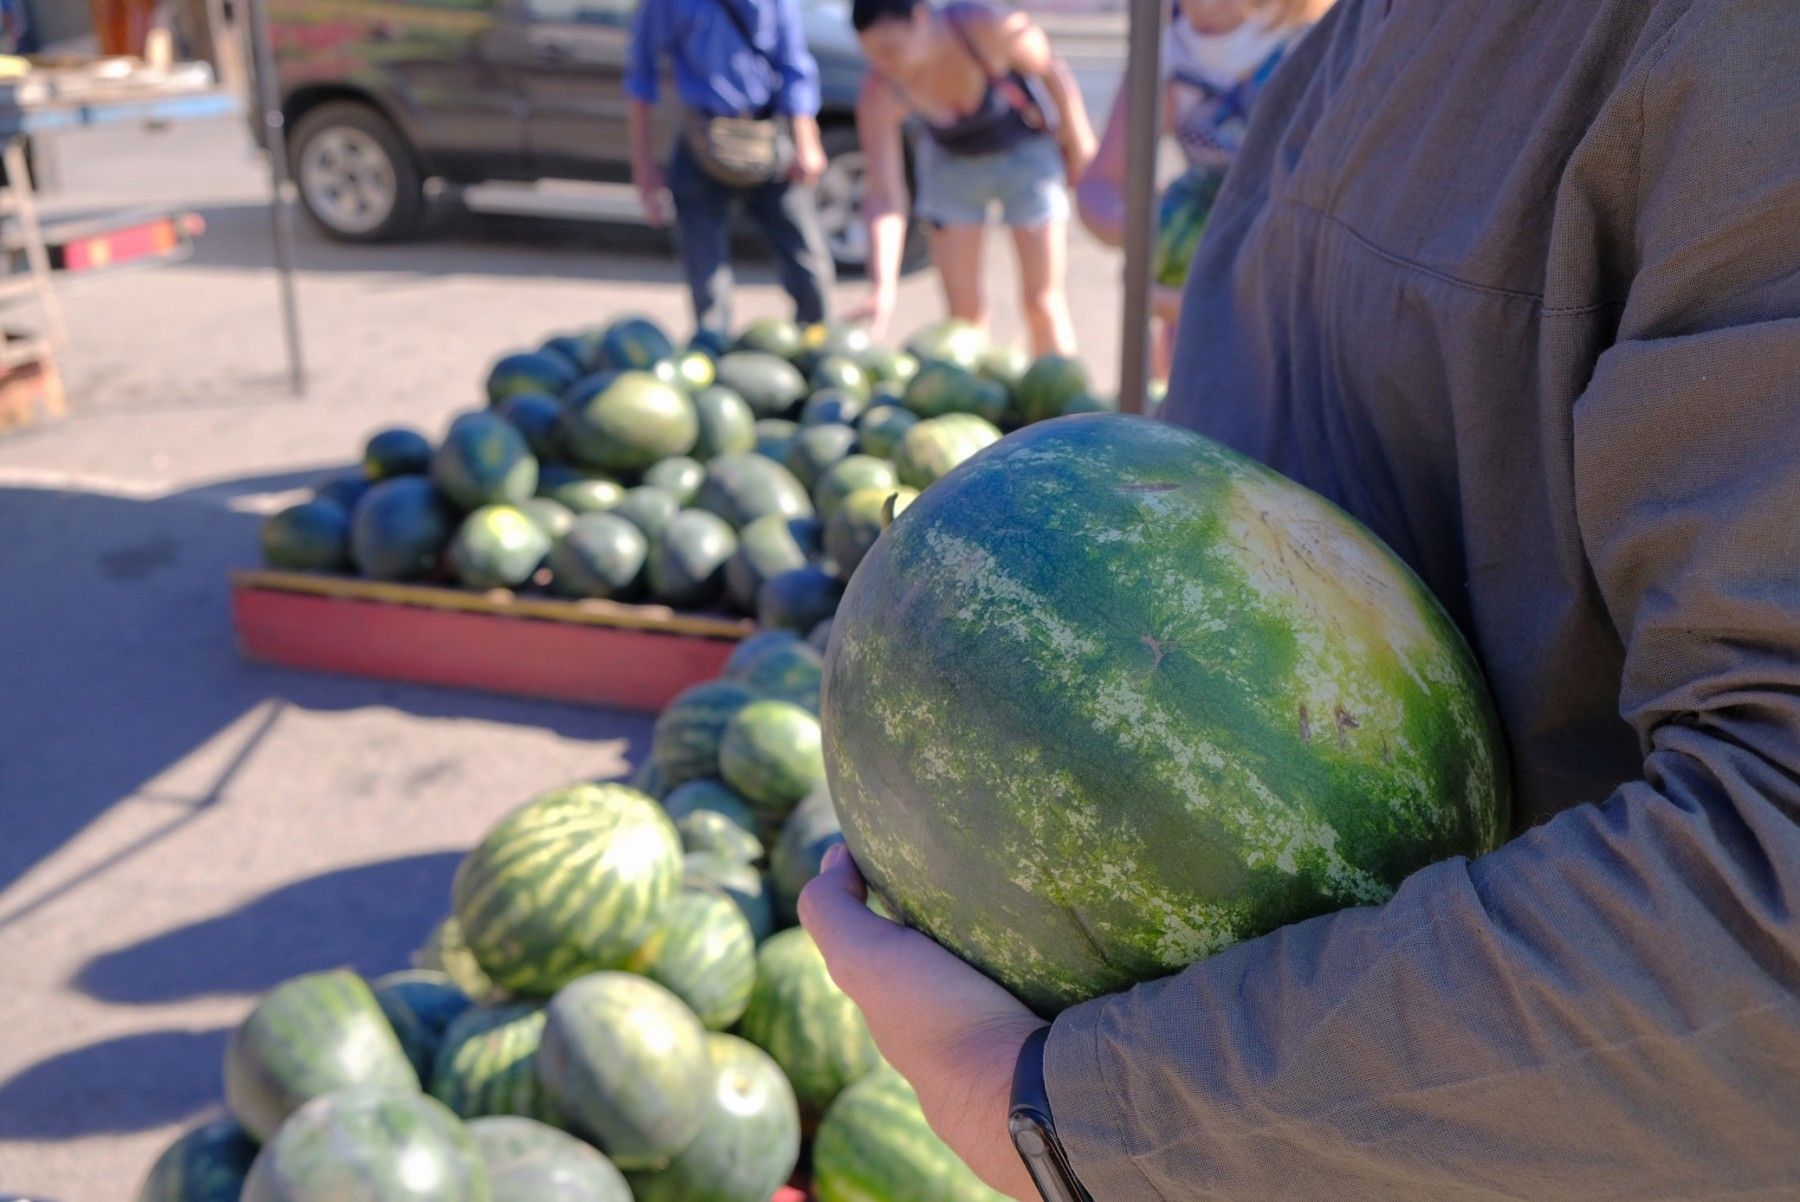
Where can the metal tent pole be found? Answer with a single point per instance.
(267, 101)
(1143, 83)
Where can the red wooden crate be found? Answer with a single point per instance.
(590, 652)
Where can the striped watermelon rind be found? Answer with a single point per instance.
(420, 1005)
(566, 885)
(488, 1064)
(874, 1142)
(799, 1016)
(398, 1146)
(685, 740)
(205, 1164)
(705, 954)
(771, 755)
(529, 1161)
(930, 450)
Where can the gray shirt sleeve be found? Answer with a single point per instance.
(1609, 1006)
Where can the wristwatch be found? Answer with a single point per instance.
(1033, 1131)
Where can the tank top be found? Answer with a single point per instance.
(1009, 112)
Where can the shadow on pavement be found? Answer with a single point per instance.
(132, 1083)
(369, 918)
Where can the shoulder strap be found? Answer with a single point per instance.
(953, 17)
(743, 27)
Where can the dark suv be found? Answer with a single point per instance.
(382, 95)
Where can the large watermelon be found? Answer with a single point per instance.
(484, 461)
(625, 1059)
(370, 1145)
(726, 424)
(309, 1036)
(846, 476)
(742, 488)
(685, 739)
(798, 854)
(1052, 382)
(749, 1139)
(687, 561)
(529, 1161)
(602, 555)
(710, 817)
(1181, 218)
(705, 954)
(770, 386)
(528, 371)
(400, 529)
(743, 883)
(767, 547)
(798, 1015)
(799, 599)
(875, 1143)
(770, 755)
(488, 1063)
(397, 451)
(311, 536)
(206, 1164)
(497, 546)
(929, 450)
(420, 1005)
(634, 421)
(567, 884)
(1112, 698)
(858, 522)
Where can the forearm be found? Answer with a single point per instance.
(1073, 121)
(641, 138)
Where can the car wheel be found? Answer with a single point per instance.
(357, 178)
(840, 199)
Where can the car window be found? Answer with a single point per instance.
(597, 12)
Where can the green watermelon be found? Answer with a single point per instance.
(488, 1063)
(1005, 366)
(848, 475)
(875, 1143)
(529, 1161)
(625, 1060)
(823, 339)
(942, 388)
(767, 547)
(749, 1139)
(840, 374)
(726, 425)
(816, 448)
(587, 494)
(344, 489)
(798, 1015)
(679, 475)
(888, 366)
(1090, 404)
(538, 417)
(400, 529)
(552, 517)
(798, 855)
(446, 951)
(770, 386)
(705, 954)
(687, 562)
(742, 488)
(370, 1145)
(689, 371)
(528, 371)
(750, 651)
(788, 670)
(856, 525)
(798, 600)
(685, 740)
(602, 555)
(578, 395)
(574, 350)
(1197, 704)
(649, 507)
(772, 336)
(770, 756)
(206, 1164)
(949, 341)
(484, 461)
(1181, 218)
(399, 451)
(632, 344)
(714, 344)
(1052, 382)
(309, 1036)
(567, 884)
(497, 546)
(631, 423)
(881, 428)
(747, 888)
(774, 438)
(419, 1005)
(709, 817)
(649, 780)
(930, 449)
(312, 536)
(832, 406)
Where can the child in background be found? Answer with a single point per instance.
(1216, 55)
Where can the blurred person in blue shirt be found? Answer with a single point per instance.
(742, 59)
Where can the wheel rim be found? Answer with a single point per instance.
(348, 179)
(840, 209)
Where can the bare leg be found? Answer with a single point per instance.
(1043, 253)
(956, 251)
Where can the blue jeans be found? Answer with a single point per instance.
(784, 213)
(1025, 182)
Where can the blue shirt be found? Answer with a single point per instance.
(716, 71)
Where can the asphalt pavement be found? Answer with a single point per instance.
(179, 829)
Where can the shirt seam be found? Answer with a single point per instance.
(1116, 1113)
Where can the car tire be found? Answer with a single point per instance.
(357, 178)
(840, 197)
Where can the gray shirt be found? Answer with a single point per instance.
(1517, 282)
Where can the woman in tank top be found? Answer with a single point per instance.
(999, 125)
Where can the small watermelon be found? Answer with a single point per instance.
(726, 425)
(538, 417)
(875, 1143)
(749, 1139)
(687, 561)
(798, 854)
(575, 351)
(399, 451)
(370, 1144)
(709, 817)
(488, 1063)
(840, 374)
(881, 427)
(798, 1015)
(679, 475)
(312, 536)
(751, 650)
(206, 1164)
(949, 341)
(768, 547)
(419, 1005)
(772, 336)
(649, 507)
(484, 461)
(742, 488)
(772, 387)
(1181, 218)
(685, 740)
(497, 546)
(714, 344)
(774, 438)
(552, 517)
(816, 448)
(400, 530)
(1051, 383)
(689, 371)
(632, 344)
(705, 954)
(529, 1161)
(930, 450)
(631, 423)
(528, 371)
(799, 599)
(848, 475)
(344, 489)
(602, 555)
(625, 1061)
(770, 756)
(788, 670)
(747, 887)
(832, 406)
(856, 525)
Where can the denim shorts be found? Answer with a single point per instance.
(1026, 181)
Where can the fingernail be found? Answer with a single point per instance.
(834, 855)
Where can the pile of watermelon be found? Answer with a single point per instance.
(618, 1006)
(612, 464)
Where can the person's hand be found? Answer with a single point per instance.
(951, 1032)
(809, 154)
(652, 194)
(875, 311)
